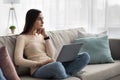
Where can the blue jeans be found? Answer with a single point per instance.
(72, 67)
(2, 77)
(58, 70)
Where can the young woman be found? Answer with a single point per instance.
(36, 45)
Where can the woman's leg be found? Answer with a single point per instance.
(1, 75)
(51, 70)
(78, 64)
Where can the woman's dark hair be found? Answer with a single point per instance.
(30, 19)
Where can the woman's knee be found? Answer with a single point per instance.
(59, 70)
(58, 65)
(85, 56)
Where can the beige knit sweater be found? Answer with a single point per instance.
(35, 48)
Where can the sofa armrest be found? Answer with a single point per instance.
(115, 48)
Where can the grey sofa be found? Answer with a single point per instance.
(108, 71)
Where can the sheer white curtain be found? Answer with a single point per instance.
(105, 15)
(97, 15)
(58, 14)
(113, 18)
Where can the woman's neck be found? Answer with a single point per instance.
(33, 33)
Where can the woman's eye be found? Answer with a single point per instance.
(40, 18)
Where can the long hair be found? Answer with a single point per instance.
(30, 19)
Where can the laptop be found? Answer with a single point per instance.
(69, 52)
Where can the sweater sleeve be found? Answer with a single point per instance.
(50, 48)
(19, 51)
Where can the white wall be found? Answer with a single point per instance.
(4, 14)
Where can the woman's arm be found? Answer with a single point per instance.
(19, 51)
(49, 48)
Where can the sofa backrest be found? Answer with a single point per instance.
(9, 42)
(62, 37)
(115, 48)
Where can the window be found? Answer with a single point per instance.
(113, 17)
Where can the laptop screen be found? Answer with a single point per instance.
(69, 52)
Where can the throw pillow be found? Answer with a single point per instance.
(97, 47)
(6, 65)
(84, 34)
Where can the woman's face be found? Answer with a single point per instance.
(39, 22)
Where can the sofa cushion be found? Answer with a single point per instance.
(117, 77)
(9, 42)
(62, 37)
(6, 65)
(100, 71)
(85, 34)
(97, 47)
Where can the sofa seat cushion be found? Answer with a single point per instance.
(100, 71)
(117, 77)
(30, 78)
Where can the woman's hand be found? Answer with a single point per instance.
(42, 31)
(45, 62)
